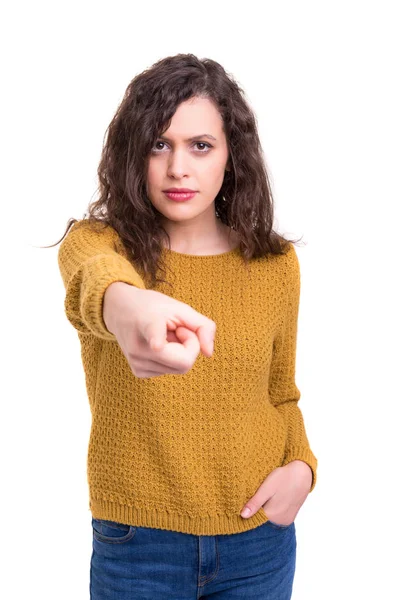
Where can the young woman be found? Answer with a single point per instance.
(190, 376)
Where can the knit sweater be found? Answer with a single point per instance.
(185, 452)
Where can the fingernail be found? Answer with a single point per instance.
(245, 512)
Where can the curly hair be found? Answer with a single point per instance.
(244, 202)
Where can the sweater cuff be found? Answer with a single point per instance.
(100, 272)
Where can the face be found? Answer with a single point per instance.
(198, 164)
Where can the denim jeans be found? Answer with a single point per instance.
(145, 563)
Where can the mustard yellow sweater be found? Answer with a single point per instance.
(185, 452)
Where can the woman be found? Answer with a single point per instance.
(183, 441)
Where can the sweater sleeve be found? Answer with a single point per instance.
(89, 263)
(283, 392)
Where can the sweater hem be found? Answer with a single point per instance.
(216, 524)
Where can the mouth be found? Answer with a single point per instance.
(180, 196)
(178, 190)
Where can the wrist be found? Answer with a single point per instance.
(300, 465)
(109, 304)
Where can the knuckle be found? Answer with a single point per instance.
(134, 370)
(185, 367)
(213, 325)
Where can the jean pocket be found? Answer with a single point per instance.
(277, 525)
(112, 532)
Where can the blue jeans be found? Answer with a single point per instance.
(145, 563)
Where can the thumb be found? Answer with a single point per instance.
(250, 509)
(203, 327)
(256, 502)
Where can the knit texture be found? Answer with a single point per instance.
(186, 452)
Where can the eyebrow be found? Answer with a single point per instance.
(191, 139)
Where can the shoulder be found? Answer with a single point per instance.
(288, 266)
(92, 226)
(287, 262)
(83, 237)
(86, 229)
(292, 259)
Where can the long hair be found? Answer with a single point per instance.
(244, 202)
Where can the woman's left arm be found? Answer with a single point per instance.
(290, 483)
(283, 391)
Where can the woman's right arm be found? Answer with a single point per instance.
(157, 333)
(88, 264)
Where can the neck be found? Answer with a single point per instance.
(212, 237)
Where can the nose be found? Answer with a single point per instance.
(178, 164)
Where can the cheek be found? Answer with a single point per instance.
(213, 169)
(151, 175)
(155, 171)
(213, 176)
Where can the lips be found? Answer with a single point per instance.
(180, 190)
(180, 197)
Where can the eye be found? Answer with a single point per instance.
(208, 146)
(157, 144)
(205, 151)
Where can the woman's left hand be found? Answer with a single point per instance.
(282, 493)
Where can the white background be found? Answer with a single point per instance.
(322, 78)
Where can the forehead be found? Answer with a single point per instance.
(194, 117)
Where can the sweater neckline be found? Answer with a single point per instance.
(176, 254)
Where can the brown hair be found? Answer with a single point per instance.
(244, 201)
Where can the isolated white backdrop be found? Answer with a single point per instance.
(323, 80)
